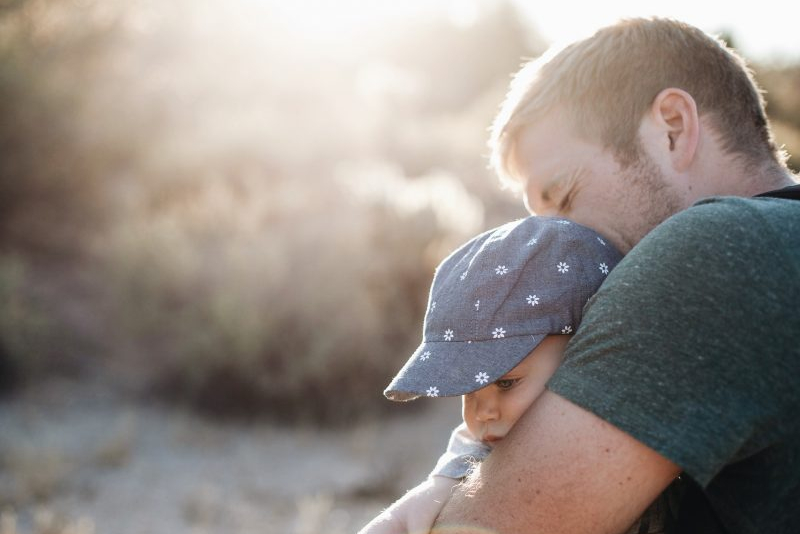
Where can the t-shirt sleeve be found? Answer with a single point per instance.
(681, 346)
(463, 451)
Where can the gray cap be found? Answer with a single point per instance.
(495, 299)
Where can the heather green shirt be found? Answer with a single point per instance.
(692, 346)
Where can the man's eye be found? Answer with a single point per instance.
(506, 383)
(566, 203)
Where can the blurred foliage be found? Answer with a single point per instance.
(782, 86)
(260, 214)
(255, 214)
(51, 164)
(24, 328)
(306, 321)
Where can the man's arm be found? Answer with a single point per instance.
(560, 470)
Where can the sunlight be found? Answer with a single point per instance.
(322, 20)
(760, 33)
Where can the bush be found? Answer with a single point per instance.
(52, 167)
(295, 318)
(24, 330)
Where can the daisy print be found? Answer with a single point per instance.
(448, 334)
(425, 355)
(501, 270)
(603, 268)
(482, 378)
(566, 330)
(562, 267)
(432, 391)
(497, 333)
(533, 300)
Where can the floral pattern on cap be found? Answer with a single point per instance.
(500, 289)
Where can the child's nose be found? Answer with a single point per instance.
(487, 409)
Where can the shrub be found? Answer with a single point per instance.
(296, 318)
(24, 329)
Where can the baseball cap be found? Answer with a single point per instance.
(495, 298)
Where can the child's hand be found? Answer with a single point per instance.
(415, 512)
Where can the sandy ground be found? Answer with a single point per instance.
(75, 458)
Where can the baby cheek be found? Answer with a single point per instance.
(468, 415)
(517, 406)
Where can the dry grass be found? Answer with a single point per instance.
(45, 521)
(116, 450)
(37, 474)
(202, 506)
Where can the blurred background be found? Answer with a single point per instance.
(218, 224)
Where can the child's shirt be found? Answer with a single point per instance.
(463, 452)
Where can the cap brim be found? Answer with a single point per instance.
(450, 368)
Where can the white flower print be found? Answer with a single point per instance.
(601, 241)
(562, 267)
(563, 222)
(432, 391)
(501, 270)
(463, 276)
(477, 305)
(603, 268)
(482, 378)
(533, 300)
(566, 330)
(433, 305)
(425, 355)
(448, 334)
(497, 333)
(532, 242)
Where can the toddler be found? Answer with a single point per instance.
(500, 313)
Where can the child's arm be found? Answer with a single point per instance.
(415, 512)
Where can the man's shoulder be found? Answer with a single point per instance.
(735, 210)
(721, 223)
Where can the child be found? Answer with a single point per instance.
(500, 312)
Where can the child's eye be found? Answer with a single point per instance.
(506, 383)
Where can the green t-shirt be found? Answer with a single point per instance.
(692, 346)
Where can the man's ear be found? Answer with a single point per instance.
(675, 114)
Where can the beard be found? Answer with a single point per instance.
(651, 198)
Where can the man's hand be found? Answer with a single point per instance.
(416, 511)
(560, 470)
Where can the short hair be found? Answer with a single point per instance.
(607, 82)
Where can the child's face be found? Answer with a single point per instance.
(491, 411)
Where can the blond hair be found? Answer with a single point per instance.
(607, 82)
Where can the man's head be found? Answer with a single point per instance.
(657, 114)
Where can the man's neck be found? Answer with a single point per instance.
(774, 178)
(751, 181)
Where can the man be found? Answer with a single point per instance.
(688, 359)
